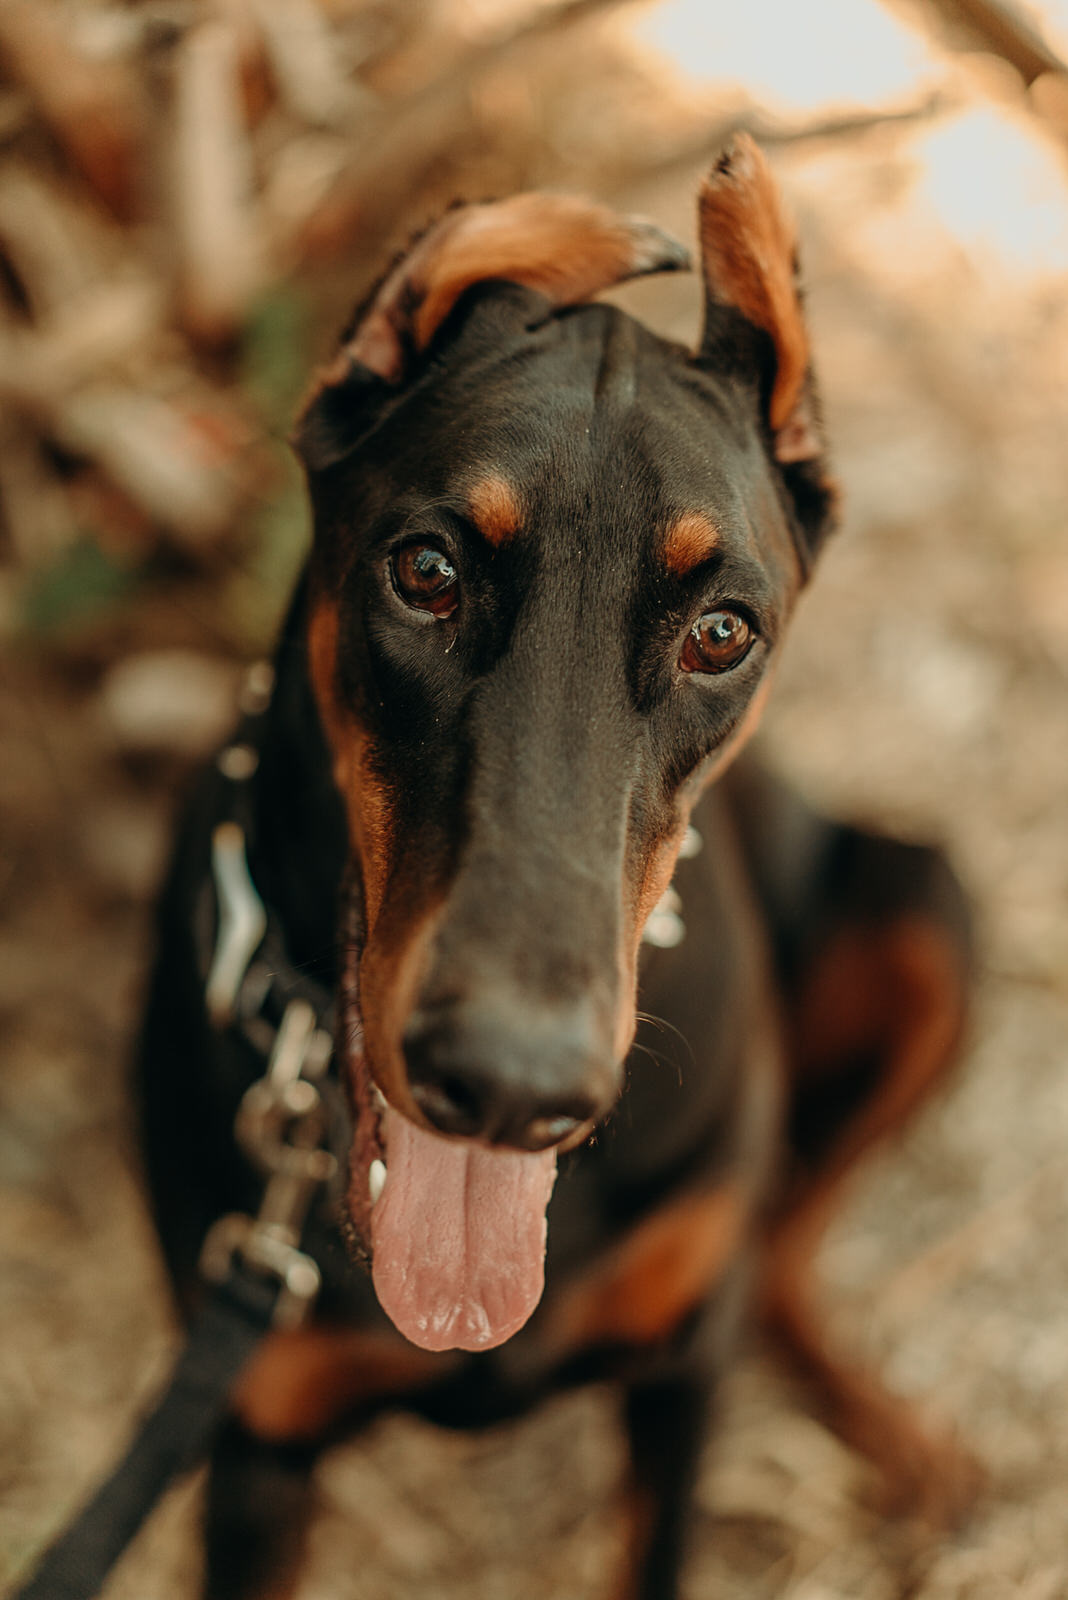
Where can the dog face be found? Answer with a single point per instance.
(554, 559)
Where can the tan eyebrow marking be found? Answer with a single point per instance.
(494, 510)
(689, 540)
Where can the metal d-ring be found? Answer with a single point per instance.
(242, 922)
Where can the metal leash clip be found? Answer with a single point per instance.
(281, 1125)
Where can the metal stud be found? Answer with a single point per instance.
(238, 762)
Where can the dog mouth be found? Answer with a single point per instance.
(455, 1230)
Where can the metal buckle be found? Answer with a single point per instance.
(281, 1125)
(262, 1250)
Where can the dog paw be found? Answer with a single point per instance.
(924, 1473)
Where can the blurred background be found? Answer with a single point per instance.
(192, 195)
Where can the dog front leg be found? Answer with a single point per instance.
(259, 1504)
(666, 1421)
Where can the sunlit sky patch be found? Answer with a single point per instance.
(997, 186)
(990, 175)
(790, 56)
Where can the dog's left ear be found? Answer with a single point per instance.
(564, 248)
(754, 321)
(749, 260)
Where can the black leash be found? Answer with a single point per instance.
(258, 1276)
(172, 1439)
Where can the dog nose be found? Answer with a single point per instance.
(528, 1082)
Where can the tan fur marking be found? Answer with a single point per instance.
(660, 869)
(301, 1381)
(367, 804)
(657, 874)
(390, 975)
(690, 539)
(370, 813)
(394, 956)
(749, 252)
(494, 510)
(656, 1275)
(322, 668)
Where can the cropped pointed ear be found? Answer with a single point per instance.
(565, 248)
(749, 261)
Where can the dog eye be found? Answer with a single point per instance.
(717, 641)
(425, 578)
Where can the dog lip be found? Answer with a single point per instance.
(581, 1134)
(544, 1132)
(566, 1137)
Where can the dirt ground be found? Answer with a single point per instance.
(924, 690)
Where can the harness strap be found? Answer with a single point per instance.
(257, 1275)
(173, 1438)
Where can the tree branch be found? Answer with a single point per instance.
(998, 26)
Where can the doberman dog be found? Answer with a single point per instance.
(488, 806)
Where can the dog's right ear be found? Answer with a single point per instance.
(564, 248)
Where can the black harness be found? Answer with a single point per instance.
(257, 1275)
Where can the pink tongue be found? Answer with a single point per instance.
(459, 1237)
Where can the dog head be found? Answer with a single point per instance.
(554, 558)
